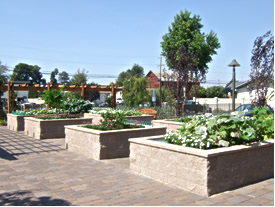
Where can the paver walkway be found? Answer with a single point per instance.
(42, 172)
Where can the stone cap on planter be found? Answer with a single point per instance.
(167, 121)
(14, 115)
(198, 152)
(42, 120)
(95, 131)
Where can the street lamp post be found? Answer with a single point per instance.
(233, 64)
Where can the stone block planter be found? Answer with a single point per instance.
(99, 145)
(171, 125)
(142, 118)
(204, 172)
(46, 129)
(16, 122)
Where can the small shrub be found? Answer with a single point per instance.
(3, 123)
(113, 120)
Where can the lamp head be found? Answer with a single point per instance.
(234, 63)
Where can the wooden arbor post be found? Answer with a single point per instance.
(83, 91)
(49, 85)
(113, 96)
(10, 96)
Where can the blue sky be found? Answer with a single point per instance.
(107, 37)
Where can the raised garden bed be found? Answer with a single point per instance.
(53, 128)
(16, 122)
(204, 172)
(140, 118)
(170, 124)
(99, 145)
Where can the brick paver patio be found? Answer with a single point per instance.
(42, 172)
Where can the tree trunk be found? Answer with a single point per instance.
(179, 100)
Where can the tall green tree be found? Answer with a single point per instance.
(134, 91)
(3, 80)
(25, 72)
(63, 78)
(136, 71)
(79, 77)
(262, 66)
(52, 77)
(188, 51)
(3, 74)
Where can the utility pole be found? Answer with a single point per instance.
(160, 81)
(160, 65)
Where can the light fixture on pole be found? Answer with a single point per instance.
(233, 64)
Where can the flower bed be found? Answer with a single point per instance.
(204, 172)
(109, 138)
(130, 115)
(208, 131)
(109, 144)
(15, 120)
(53, 128)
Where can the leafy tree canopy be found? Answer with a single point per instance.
(52, 78)
(63, 78)
(186, 31)
(134, 91)
(210, 92)
(136, 71)
(187, 51)
(79, 77)
(3, 74)
(262, 66)
(3, 80)
(25, 72)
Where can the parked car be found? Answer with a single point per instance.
(190, 105)
(248, 109)
(119, 101)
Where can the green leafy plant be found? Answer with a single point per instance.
(113, 120)
(54, 98)
(3, 123)
(208, 131)
(73, 105)
(126, 112)
(264, 123)
(37, 112)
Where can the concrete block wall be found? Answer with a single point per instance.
(46, 129)
(15, 122)
(98, 144)
(205, 172)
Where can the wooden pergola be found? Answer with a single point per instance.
(83, 89)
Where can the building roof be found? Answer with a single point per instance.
(165, 76)
(237, 83)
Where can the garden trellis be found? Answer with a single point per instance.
(84, 88)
